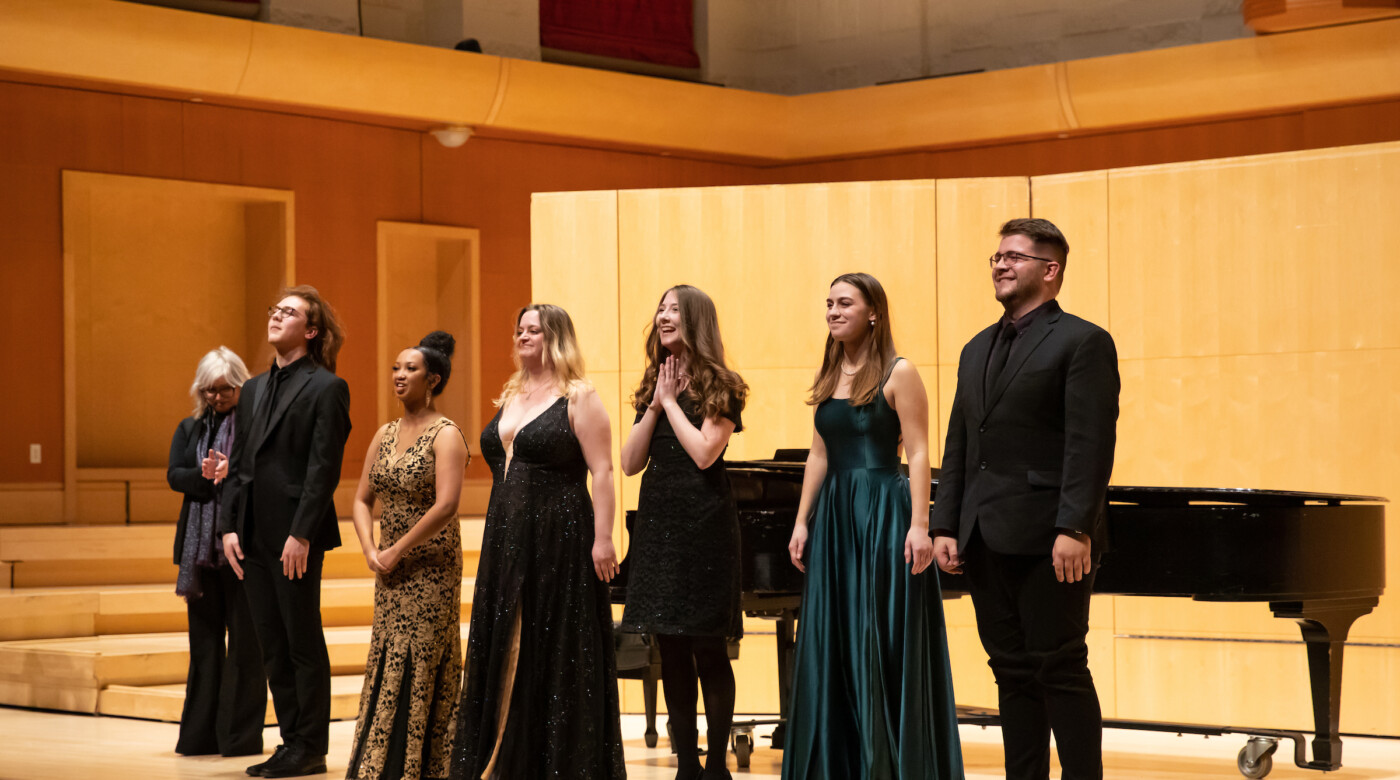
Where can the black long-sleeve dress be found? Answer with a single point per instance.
(226, 690)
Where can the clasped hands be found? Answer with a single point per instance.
(671, 381)
(214, 466)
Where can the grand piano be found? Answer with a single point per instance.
(1314, 558)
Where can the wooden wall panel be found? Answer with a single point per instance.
(153, 261)
(1249, 683)
(1244, 302)
(400, 175)
(428, 280)
(573, 239)
(766, 256)
(1200, 233)
(970, 212)
(1078, 205)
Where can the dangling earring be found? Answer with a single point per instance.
(428, 399)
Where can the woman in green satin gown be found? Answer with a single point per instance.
(872, 693)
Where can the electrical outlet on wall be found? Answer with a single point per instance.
(36, 454)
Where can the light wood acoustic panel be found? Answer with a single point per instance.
(573, 258)
(166, 270)
(1262, 684)
(1249, 255)
(766, 256)
(1078, 205)
(573, 264)
(31, 503)
(970, 214)
(429, 279)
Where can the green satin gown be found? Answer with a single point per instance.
(872, 692)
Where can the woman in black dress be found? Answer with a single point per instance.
(226, 691)
(539, 695)
(684, 582)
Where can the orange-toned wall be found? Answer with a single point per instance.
(347, 176)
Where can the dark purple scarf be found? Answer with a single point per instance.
(202, 549)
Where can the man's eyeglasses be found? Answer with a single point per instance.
(223, 391)
(286, 312)
(1015, 258)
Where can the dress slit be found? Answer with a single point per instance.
(507, 687)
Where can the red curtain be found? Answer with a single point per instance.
(655, 31)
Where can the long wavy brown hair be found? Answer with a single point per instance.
(330, 334)
(713, 386)
(879, 353)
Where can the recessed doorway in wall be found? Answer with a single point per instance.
(429, 280)
(156, 273)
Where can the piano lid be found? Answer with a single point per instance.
(788, 465)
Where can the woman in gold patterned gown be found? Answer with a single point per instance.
(408, 707)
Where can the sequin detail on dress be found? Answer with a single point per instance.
(537, 565)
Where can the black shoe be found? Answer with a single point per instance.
(256, 770)
(296, 762)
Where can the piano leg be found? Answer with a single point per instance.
(787, 642)
(650, 675)
(1325, 625)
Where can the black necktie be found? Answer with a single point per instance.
(1000, 350)
(274, 382)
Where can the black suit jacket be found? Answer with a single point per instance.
(283, 472)
(1034, 455)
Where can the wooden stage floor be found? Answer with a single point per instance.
(39, 745)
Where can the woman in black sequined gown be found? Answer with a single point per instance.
(539, 693)
(684, 581)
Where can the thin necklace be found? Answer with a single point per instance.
(852, 372)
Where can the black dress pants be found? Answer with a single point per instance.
(226, 691)
(287, 615)
(1033, 629)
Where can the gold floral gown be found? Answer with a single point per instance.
(413, 676)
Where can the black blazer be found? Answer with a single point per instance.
(284, 474)
(1035, 455)
(184, 474)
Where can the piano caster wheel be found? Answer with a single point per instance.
(743, 748)
(651, 739)
(1256, 757)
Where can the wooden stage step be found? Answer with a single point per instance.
(56, 556)
(69, 674)
(166, 702)
(83, 611)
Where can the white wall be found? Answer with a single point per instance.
(797, 46)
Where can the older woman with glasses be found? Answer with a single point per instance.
(226, 691)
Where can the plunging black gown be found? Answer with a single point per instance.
(537, 562)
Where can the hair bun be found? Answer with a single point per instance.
(441, 341)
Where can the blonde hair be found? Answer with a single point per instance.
(221, 363)
(561, 354)
(714, 387)
(879, 348)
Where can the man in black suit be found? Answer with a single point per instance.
(1022, 498)
(279, 518)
